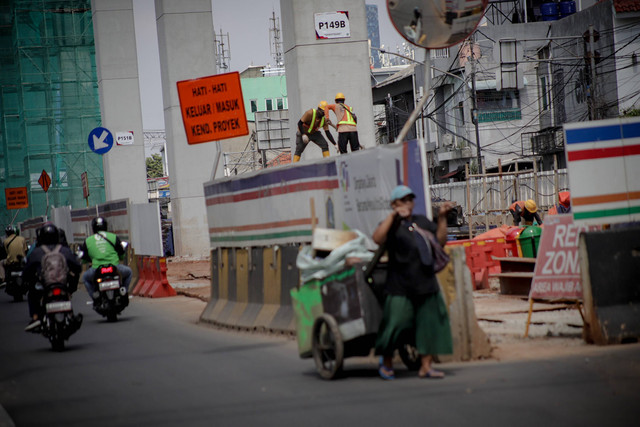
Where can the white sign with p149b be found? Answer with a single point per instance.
(332, 25)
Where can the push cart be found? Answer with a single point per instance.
(338, 317)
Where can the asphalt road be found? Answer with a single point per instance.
(157, 367)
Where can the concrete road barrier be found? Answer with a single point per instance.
(250, 290)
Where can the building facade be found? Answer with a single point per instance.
(532, 74)
(48, 105)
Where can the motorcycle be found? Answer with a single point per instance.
(15, 287)
(110, 296)
(58, 322)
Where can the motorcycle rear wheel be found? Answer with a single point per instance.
(112, 317)
(57, 344)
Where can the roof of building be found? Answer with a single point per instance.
(280, 159)
(626, 5)
(405, 72)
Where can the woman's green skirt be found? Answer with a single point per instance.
(424, 315)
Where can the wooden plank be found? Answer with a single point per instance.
(514, 274)
(516, 259)
(515, 286)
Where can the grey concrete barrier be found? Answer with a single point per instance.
(469, 341)
(250, 290)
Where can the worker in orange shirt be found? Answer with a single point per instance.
(308, 130)
(525, 210)
(564, 205)
(347, 120)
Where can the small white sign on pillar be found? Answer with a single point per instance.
(124, 138)
(332, 25)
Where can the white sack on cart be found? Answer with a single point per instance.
(319, 268)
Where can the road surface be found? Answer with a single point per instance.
(157, 367)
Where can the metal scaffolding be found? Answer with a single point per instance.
(48, 103)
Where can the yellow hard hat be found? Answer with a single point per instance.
(322, 105)
(339, 95)
(531, 206)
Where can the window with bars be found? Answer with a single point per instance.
(498, 105)
(544, 95)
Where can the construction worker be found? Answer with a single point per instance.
(527, 210)
(308, 126)
(347, 131)
(564, 205)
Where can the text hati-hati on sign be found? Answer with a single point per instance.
(212, 108)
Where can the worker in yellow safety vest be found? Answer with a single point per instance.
(347, 121)
(308, 126)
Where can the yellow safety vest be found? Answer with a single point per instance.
(349, 120)
(313, 122)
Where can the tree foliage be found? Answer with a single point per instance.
(154, 166)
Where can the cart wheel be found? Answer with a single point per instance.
(410, 357)
(327, 345)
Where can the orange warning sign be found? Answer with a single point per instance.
(16, 198)
(212, 108)
(44, 180)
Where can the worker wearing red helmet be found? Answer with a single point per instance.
(564, 204)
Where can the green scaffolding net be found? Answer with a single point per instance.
(48, 105)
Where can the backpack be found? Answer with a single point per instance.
(53, 267)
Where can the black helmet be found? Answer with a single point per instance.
(9, 230)
(48, 235)
(62, 237)
(98, 224)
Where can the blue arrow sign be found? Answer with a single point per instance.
(100, 140)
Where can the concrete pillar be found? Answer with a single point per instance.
(318, 69)
(125, 174)
(185, 42)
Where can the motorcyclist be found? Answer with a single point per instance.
(15, 248)
(102, 248)
(49, 236)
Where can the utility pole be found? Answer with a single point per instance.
(592, 62)
(474, 107)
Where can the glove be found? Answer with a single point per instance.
(305, 139)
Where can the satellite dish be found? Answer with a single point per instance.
(436, 24)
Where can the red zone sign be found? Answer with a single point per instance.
(557, 271)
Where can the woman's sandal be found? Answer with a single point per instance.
(432, 373)
(385, 373)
